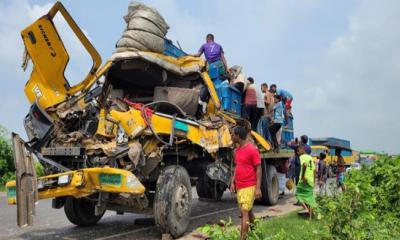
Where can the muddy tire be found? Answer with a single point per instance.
(81, 212)
(209, 189)
(269, 184)
(173, 201)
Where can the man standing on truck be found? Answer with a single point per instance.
(246, 180)
(287, 100)
(214, 54)
(250, 104)
(269, 109)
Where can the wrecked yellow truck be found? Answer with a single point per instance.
(130, 137)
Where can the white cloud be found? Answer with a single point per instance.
(15, 16)
(351, 90)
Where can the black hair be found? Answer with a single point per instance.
(250, 79)
(278, 97)
(338, 151)
(273, 85)
(210, 36)
(322, 156)
(304, 139)
(241, 132)
(264, 84)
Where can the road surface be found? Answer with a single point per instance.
(52, 224)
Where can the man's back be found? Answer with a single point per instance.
(212, 51)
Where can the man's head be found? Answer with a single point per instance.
(239, 134)
(322, 156)
(338, 152)
(250, 79)
(210, 37)
(272, 88)
(304, 139)
(264, 87)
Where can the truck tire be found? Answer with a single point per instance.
(173, 201)
(81, 212)
(209, 189)
(269, 184)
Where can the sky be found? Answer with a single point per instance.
(339, 59)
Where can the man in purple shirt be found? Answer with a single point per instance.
(214, 54)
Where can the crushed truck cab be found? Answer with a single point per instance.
(130, 137)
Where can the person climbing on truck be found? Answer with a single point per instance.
(246, 180)
(287, 100)
(250, 104)
(266, 119)
(214, 54)
(277, 122)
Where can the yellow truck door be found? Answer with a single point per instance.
(47, 83)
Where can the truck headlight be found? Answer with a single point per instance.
(64, 179)
(132, 181)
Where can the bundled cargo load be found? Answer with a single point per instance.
(145, 30)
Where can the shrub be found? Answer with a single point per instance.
(370, 206)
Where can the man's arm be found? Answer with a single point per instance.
(258, 185)
(198, 54)
(232, 186)
(304, 173)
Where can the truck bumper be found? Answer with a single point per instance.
(82, 183)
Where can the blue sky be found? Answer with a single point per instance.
(340, 59)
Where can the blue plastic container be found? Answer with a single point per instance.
(230, 98)
(171, 50)
(288, 133)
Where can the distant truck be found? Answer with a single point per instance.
(328, 146)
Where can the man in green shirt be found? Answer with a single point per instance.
(305, 187)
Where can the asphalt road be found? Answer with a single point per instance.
(51, 223)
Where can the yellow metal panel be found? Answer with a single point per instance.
(211, 89)
(261, 141)
(106, 127)
(131, 121)
(85, 182)
(47, 82)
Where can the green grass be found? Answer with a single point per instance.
(2, 188)
(287, 227)
(291, 226)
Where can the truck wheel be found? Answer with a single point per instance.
(81, 212)
(269, 184)
(173, 201)
(209, 189)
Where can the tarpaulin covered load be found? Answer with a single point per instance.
(145, 30)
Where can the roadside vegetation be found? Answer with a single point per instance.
(7, 166)
(368, 209)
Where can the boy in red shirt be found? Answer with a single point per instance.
(247, 177)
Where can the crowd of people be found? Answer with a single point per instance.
(268, 109)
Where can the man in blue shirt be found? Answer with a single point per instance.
(214, 54)
(277, 122)
(287, 100)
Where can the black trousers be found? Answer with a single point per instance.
(273, 129)
(250, 112)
